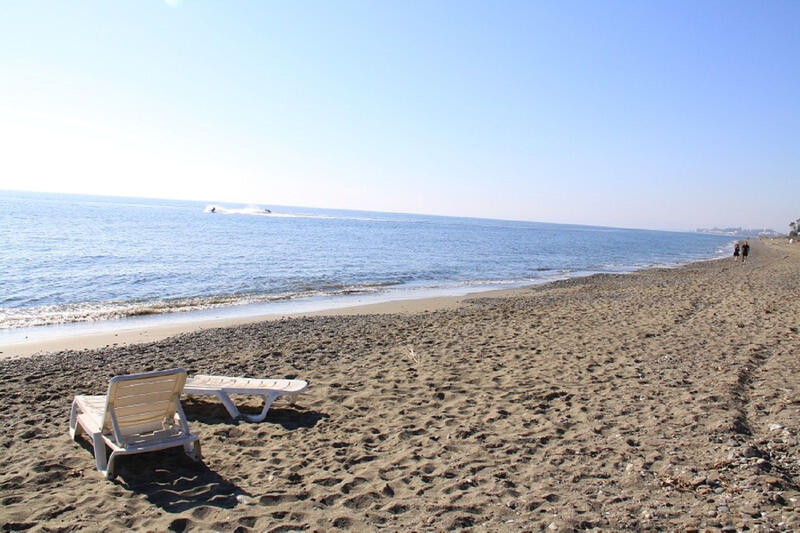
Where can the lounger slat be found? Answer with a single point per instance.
(89, 422)
(131, 416)
(146, 440)
(126, 389)
(141, 409)
(150, 420)
(151, 423)
(92, 404)
(150, 397)
(247, 385)
(133, 434)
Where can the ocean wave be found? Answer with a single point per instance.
(726, 249)
(13, 318)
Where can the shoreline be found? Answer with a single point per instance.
(137, 335)
(126, 334)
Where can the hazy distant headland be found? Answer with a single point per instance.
(741, 232)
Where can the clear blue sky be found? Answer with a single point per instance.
(667, 115)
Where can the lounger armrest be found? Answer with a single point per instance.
(89, 423)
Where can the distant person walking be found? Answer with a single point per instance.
(745, 251)
(736, 252)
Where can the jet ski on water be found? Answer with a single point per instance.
(249, 210)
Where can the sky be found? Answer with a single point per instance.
(660, 115)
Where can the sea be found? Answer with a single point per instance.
(75, 265)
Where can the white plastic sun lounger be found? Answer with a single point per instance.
(140, 413)
(222, 387)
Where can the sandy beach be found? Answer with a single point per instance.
(664, 399)
(138, 335)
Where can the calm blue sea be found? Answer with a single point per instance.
(85, 259)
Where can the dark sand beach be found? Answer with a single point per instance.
(664, 399)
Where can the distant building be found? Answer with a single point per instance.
(741, 232)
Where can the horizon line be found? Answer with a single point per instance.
(694, 231)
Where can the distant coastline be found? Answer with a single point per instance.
(740, 232)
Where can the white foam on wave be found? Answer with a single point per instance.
(248, 210)
(261, 211)
(726, 249)
(25, 317)
(51, 315)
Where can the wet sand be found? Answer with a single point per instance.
(662, 399)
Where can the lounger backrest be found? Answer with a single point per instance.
(139, 404)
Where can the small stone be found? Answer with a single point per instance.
(751, 451)
(749, 510)
(245, 500)
(775, 427)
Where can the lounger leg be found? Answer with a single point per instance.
(109, 473)
(235, 413)
(100, 453)
(192, 449)
(74, 427)
(228, 403)
(268, 399)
